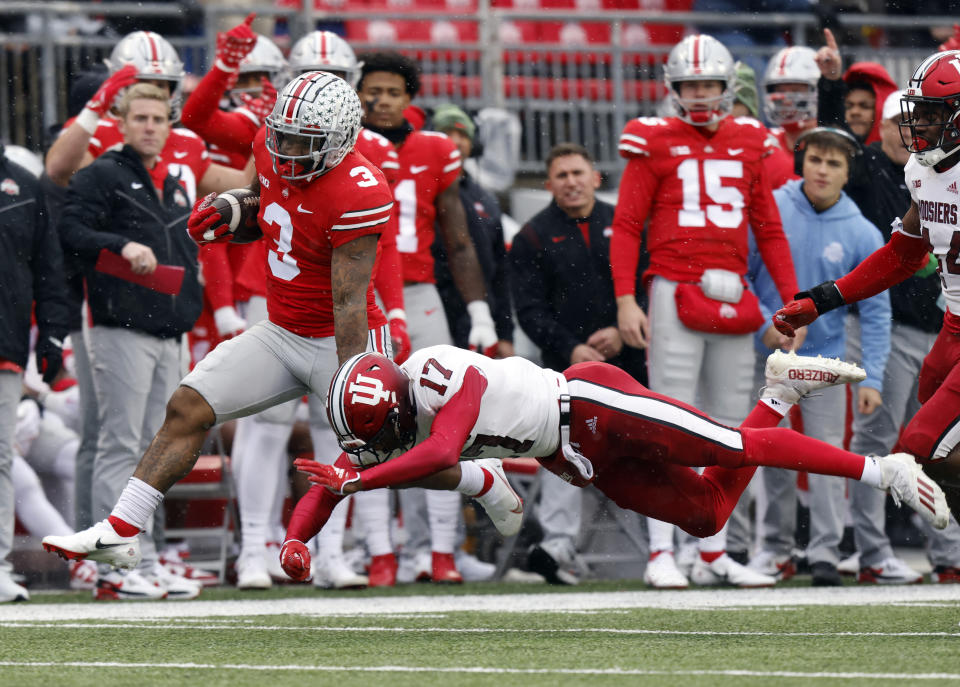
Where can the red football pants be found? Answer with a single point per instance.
(644, 446)
(935, 430)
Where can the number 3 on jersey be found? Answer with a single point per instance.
(282, 264)
(695, 212)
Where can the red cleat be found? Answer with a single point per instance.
(445, 570)
(383, 571)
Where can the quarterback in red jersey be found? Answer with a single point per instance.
(322, 207)
(697, 180)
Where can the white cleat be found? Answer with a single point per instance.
(662, 573)
(790, 377)
(727, 572)
(127, 586)
(99, 543)
(252, 571)
(332, 572)
(10, 590)
(501, 502)
(176, 586)
(779, 567)
(906, 482)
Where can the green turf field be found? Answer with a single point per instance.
(491, 634)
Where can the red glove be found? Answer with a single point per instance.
(236, 44)
(295, 559)
(206, 224)
(333, 478)
(262, 105)
(400, 339)
(105, 95)
(952, 43)
(794, 315)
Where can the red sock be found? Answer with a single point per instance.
(122, 527)
(784, 448)
(761, 416)
(710, 556)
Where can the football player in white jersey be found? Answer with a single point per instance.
(930, 130)
(427, 421)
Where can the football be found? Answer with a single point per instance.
(239, 208)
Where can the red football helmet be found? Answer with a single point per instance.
(931, 109)
(370, 409)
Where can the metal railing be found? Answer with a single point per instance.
(583, 92)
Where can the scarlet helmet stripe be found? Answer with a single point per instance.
(696, 54)
(783, 61)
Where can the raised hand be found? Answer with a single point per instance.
(236, 44)
(828, 57)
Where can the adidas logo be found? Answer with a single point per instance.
(592, 424)
(952, 188)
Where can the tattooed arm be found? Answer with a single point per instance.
(350, 269)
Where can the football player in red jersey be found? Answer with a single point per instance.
(930, 130)
(451, 409)
(322, 209)
(427, 193)
(699, 180)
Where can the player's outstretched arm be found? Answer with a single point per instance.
(351, 268)
(905, 253)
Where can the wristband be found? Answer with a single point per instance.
(397, 314)
(88, 120)
(825, 297)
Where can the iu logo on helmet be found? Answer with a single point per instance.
(370, 391)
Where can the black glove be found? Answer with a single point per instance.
(49, 352)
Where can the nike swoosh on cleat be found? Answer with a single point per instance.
(101, 545)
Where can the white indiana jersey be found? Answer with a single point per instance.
(937, 195)
(519, 412)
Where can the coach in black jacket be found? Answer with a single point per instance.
(560, 271)
(31, 271)
(126, 202)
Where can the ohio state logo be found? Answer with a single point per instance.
(369, 391)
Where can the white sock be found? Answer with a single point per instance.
(330, 539)
(661, 535)
(137, 503)
(872, 472)
(471, 478)
(443, 511)
(260, 472)
(372, 511)
(777, 406)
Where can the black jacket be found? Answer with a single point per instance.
(486, 232)
(111, 202)
(563, 291)
(31, 265)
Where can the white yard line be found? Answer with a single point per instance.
(327, 606)
(485, 670)
(232, 627)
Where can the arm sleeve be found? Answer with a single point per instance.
(637, 189)
(85, 211)
(217, 274)
(830, 94)
(530, 285)
(890, 264)
(232, 131)
(771, 241)
(314, 508)
(450, 430)
(49, 287)
(388, 280)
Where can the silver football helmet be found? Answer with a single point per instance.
(700, 58)
(314, 124)
(265, 57)
(155, 60)
(328, 52)
(796, 67)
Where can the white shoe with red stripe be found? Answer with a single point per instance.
(907, 483)
(501, 502)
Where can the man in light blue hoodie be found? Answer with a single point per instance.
(828, 236)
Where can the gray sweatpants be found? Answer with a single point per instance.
(134, 375)
(10, 388)
(89, 429)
